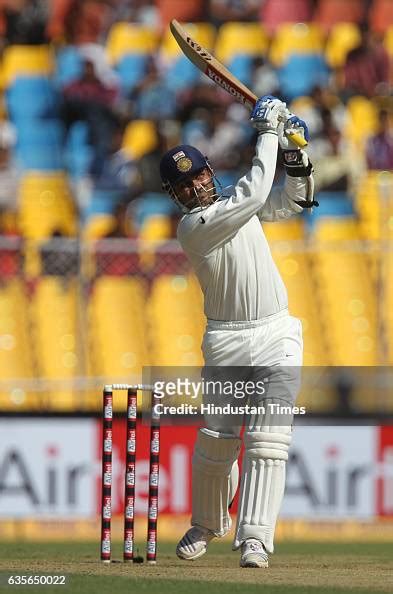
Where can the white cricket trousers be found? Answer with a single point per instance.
(270, 349)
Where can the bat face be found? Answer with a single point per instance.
(221, 81)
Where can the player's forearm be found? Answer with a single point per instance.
(257, 183)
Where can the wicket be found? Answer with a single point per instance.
(129, 488)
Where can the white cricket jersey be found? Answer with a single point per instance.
(228, 249)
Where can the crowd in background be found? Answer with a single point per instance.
(199, 114)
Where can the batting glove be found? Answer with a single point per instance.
(291, 124)
(267, 113)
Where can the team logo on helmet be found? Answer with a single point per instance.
(184, 164)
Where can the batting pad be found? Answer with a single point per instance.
(262, 485)
(214, 480)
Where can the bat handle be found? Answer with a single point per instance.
(297, 139)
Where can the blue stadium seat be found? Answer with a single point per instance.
(40, 144)
(102, 202)
(40, 133)
(131, 70)
(78, 152)
(331, 204)
(301, 73)
(32, 98)
(69, 65)
(241, 67)
(44, 158)
(181, 74)
(152, 203)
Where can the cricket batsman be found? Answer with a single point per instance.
(248, 327)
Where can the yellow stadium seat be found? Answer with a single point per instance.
(16, 363)
(99, 226)
(156, 228)
(176, 321)
(117, 333)
(284, 230)
(388, 41)
(387, 305)
(374, 204)
(297, 274)
(342, 38)
(362, 121)
(240, 38)
(130, 38)
(57, 312)
(140, 137)
(299, 38)
(27, 60)
(345, 293)
(46, 205)
(203, 33)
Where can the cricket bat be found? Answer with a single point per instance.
(217, 72)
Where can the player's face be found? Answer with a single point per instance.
(198, 190)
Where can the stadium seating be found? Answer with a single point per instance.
(237, 38)
(381, 15)
(276, 12)
(294, 264)
(16, 352)
(175, 321)
(69, 65)
(40, 145)
(27, 61)
(332, 12)
(43, 99)
(362, 121)
(56, 329)
(388, 41)
(46, 206)
(117, 334)
(125, 39)
(345, 292)
(343, 37)
(140, 137)
(292, 39)
(301, 73)
(78, 152)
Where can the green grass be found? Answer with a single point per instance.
(295, 568)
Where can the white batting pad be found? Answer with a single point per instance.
(214, 480)
(262, 484)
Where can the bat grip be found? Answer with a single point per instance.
(297, 139)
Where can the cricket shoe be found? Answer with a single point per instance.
(194, 543)
(253, 554)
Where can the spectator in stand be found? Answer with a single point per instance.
(152, 99)
(366, 70)
(90, 100)
(221, 11)
(9, 174)
(23, 21)
(265, 79)
(79, 21)
(115, 172)
(182, 10)
(136, 11)
(379, 149)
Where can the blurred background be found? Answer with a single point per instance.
(93, 285)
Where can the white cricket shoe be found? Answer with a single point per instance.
(194, 543)
(253, 554)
